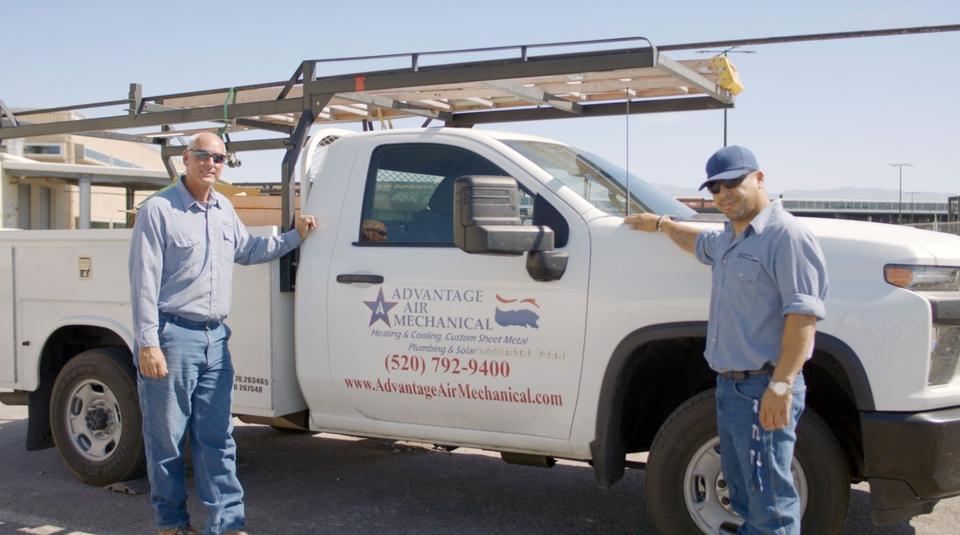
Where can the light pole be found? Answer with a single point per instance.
(901, 165)
(724, 53)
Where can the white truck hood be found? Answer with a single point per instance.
(898, 243)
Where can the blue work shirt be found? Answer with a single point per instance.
(774, 268)
(182, 254)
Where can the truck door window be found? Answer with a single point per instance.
(409, 194)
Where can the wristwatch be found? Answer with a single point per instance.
(660, 221)
(779, 388)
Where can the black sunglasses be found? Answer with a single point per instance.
(714, 187)
(204, 155)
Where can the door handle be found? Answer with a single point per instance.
(354, 278)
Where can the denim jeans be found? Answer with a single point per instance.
(194, 398)
(756, 463)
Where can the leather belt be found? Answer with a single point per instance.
(191, 324)
(767, 369)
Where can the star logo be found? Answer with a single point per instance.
(380, 309)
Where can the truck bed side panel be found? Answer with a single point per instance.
(8, 351)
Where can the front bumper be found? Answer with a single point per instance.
(912, 461)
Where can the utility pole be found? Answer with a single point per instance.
(900, 189)
(724, 53)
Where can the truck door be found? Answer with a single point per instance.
(8, 352)
(448, 338)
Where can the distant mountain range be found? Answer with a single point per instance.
(855, 194)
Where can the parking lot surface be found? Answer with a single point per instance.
(302, 483)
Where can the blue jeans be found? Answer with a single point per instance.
(193, 398)
(756, 463)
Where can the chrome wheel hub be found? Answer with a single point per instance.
(94, 420)
(707, 495)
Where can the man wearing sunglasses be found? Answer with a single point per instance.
(185, 242)
(769, 282)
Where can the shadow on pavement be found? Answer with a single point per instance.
(370, 484)
(301, 483)
(858, 517)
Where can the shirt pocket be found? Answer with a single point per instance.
(744, 271)
(185, 250)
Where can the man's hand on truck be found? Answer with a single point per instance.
(305, 224)
(153, 363)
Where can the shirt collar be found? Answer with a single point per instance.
(189, 200)
(762, 219)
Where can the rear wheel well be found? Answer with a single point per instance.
(65, 343)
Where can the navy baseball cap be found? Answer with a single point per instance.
(730, 163)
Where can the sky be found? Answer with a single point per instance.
(818, 115)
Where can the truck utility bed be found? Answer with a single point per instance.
(51, 278)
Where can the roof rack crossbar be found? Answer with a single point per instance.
(523, 50)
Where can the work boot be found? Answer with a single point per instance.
(182, 530)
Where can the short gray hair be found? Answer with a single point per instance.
(195, 139)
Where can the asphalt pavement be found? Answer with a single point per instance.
(310, 484)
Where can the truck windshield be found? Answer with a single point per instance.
(599, 181)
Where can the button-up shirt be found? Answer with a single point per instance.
(773, 268)
(182, 254)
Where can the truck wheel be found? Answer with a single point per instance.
(686, 491)
(95, 417)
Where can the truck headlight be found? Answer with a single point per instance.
(944, 354)
(923, 278)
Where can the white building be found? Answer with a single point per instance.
(71, 181)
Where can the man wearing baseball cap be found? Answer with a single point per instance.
(769, 283)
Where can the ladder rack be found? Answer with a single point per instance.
(518, 87)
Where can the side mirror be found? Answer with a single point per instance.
(486, 218)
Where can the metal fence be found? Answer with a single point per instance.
(951, 227)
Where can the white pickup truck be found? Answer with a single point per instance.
(503, 305)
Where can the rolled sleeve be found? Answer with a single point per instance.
(801, 275)
(807, 305)
(706, 245)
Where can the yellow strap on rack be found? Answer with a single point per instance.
(727, 76)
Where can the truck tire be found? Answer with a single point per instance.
(684, 483)
(95, 417)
